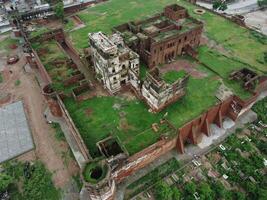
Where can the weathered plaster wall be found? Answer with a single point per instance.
(143, 158)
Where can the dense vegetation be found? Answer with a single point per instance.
(153, 177)
(261, 109)
(25, 181)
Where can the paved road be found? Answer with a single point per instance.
(239, 7)
(257, 20)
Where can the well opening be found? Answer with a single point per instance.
(96, 172)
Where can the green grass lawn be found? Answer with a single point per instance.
(223, 66)
(49, 52)
(244, 45)
(97, 118)
(5, 44)
(39, 31)
(143, 70)
(126, 122)
(130, 121)
(106, 15)
(172, 76)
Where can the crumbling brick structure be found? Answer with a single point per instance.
(248, 78)
(98, 181)
(113, 61)
(161, 38)
(158, 94)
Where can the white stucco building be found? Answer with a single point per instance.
(114, 63)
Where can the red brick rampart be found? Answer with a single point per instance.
(193, 129)
(143, 158)
(190, 132)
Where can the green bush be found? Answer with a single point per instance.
(40, 186)
(17, 82)
(190, 188)
(265, 57)
(59, 10)
(163, 191)
(153, 177)
(176, 194)
(5, 181)
(205, 191)
(262, 3)
(261, 109)
(37, 186)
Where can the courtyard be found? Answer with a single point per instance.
(132, 119)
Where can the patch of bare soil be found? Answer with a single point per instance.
(185, 65)
(204, 40)
(49, 150)
(124, 125)
(88, 112)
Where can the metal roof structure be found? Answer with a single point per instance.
(15, 134)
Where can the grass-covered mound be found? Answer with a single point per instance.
(172, 76)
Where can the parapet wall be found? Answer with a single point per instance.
(35, 60)
(188, 133)
(193, 129)
(143, 158)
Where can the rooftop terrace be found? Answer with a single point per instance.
(103, 42)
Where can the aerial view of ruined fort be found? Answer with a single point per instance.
(133, 99)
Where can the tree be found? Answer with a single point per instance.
(262, 3)
(219, 190)
(40, 185)
(190, 188)
(176, 194)
(5, 181)
(205, 191)
(262, 194)
(163, 191)
(239, 195)
(59, 10)
(53, 2)
(219, 5)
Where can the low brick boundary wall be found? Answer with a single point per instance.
(143, 158)
(73, 130)
(45, 76)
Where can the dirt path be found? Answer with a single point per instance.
(183, 65)
(55, 154)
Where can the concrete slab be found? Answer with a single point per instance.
(15, 135)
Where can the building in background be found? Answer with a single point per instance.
(161, 38)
